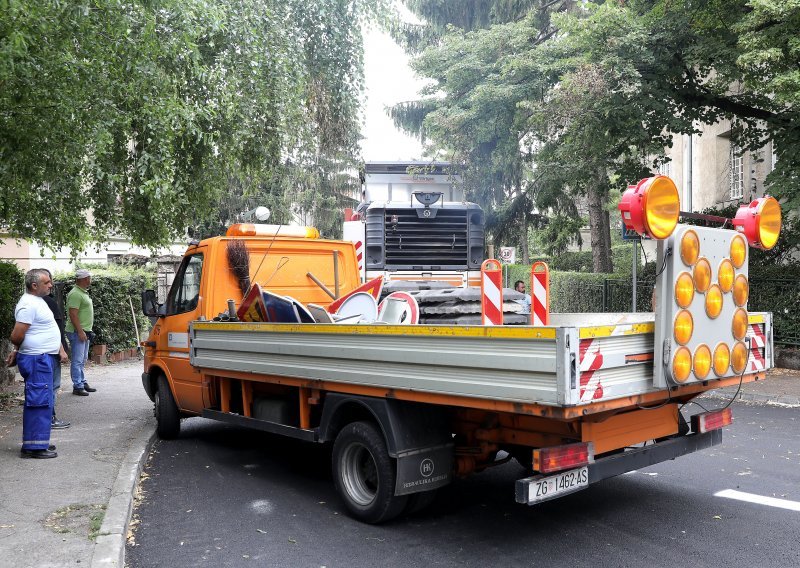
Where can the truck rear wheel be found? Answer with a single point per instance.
(364, 474)
(168, 419)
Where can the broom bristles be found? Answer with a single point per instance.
(239, 264)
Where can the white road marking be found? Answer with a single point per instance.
(759, 499)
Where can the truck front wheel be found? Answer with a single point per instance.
(168, 419)
(364, 474)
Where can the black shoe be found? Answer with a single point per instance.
(80, 392)
(38, 454)
(87, 388)
(51, 447)
(57, 424)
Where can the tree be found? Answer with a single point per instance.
(574, 98)
(141, 115)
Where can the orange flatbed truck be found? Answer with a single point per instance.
(408, 408)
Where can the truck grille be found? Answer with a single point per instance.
(440, 241)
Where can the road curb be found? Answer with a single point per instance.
(109, 547)
(778, 400)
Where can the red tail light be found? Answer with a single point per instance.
(702, 423)
(557, 458)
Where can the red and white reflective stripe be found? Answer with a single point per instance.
(756, 360)
(491, 293)
(540, 298)
(756, 335)
(590, 360)
(360, 255)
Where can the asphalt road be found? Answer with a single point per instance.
(224, 496)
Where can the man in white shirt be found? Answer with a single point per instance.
(525, 302)
(37, 343)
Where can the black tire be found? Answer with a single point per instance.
(364, 474)
(168, 419)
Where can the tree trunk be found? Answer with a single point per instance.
(599, 232)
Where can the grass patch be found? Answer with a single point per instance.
(78, 519)
(95, 522)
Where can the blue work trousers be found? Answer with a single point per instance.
(37, 370)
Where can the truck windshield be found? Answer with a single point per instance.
(185, 291)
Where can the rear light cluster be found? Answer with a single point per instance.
(558, 458)
(702, 423)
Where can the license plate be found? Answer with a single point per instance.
(545, 488)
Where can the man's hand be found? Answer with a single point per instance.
(82, 335)
(11, 360)
(62, 355)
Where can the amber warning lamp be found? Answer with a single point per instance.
(759, 222)
(651, 207)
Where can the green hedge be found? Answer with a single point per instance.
(572, 292)
(12, 286)
(110, 289)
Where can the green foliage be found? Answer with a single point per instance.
(781, 296)
(543, 102)
(147, 113)
(572, 292)
(558, 233)
(12, 286)
(111, 289)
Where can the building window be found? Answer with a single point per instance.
(665, 169)
(736, 173)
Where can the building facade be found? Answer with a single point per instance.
(710, 171)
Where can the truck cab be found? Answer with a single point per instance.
(284, 258)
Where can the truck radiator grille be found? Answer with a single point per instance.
(441, 241)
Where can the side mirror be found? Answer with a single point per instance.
(150, 305)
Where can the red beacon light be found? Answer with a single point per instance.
(651, 207)
(760, 222)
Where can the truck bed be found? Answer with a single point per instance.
(580, 359)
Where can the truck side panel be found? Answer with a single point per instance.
(474, 362)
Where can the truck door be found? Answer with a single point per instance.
(184, 304)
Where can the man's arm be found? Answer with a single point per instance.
(76, 323)
(17, 337)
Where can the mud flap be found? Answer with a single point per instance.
(424, 470)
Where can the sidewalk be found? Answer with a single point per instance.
(49, 508)
(782, 386)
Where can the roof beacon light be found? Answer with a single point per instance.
(651, 207)
(259, 230)
(760, 222)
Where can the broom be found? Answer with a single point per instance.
(239, 264)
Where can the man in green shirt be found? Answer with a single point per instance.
(79, 330)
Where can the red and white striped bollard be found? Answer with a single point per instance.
(491, 293)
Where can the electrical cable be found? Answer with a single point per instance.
(741, 377)
(663, 404)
